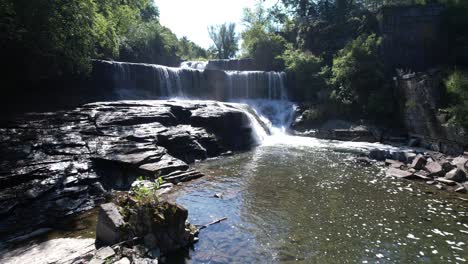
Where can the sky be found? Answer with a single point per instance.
(191, 18)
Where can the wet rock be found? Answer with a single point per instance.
(395, 164)
(461, 189)
(423, 175)
(393, 172)
(109, 229)
(457, 175)
(409, 157)
(380, 155)
(123, 261)
(445, 181)
(434, 169)
(364, 161)
(461, 162)
(61, 163)
(137, 260)
(446, 165)
(62, 250)
(419, 162)
(102, 254)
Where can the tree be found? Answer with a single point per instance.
(58, 36)
(457, 89)
(358, 77)
(260, 42)
(188, 50)
(225, 40)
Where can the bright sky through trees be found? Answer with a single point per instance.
(191, 18)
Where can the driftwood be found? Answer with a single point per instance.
(212, 223)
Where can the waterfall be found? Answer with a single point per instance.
(145, 81)
(264, 92)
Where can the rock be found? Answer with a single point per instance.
(61, 163)
(393, 172)
(138, 260)
(434, 169)
(378, 154)
(61, 250)
(409, 157)
(419, 162)
(150, 241)
(154, 253)
(439, 186)
(457, 175)
(460, 189)
(447, 166)
(123, 261)
(395, 164)
(364, 161)
(110, 224)
(104, 253)
(461, 162)
(445, 181)
(414, 142)
(422, 175)
(399, 155)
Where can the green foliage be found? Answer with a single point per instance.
(188, 50)
(306, 68)
(457, 88)
(61, 37)
(145, 192)
(225, 40)
(264, 47)
(56, 35)
(358, 76)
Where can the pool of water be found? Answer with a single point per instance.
(308, 202)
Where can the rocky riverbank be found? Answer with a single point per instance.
(442, 171)
(58, 164)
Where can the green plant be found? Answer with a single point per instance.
(457, 88)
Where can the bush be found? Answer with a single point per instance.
(307, 70)
(264, 47)
(358, 77)
(457, 89)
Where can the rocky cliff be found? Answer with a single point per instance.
(421, 98)
(57, 164)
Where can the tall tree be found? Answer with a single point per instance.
(225, 40)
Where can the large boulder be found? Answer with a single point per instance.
(457, 175)
(110, 225)
(434, 169)
(419, 162)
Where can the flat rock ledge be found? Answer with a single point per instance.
(439, 170)
(57, 164)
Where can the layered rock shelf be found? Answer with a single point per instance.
(61, 163)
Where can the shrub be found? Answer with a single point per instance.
(457, 89)
(307, 69)
(358, 77)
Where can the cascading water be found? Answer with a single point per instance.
(264, 92)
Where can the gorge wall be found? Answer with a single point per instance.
(421, 98)
(413, 37)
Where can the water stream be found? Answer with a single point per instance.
(296, 200)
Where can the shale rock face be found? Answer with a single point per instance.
(56, 164)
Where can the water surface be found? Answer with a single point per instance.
(308, 202)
